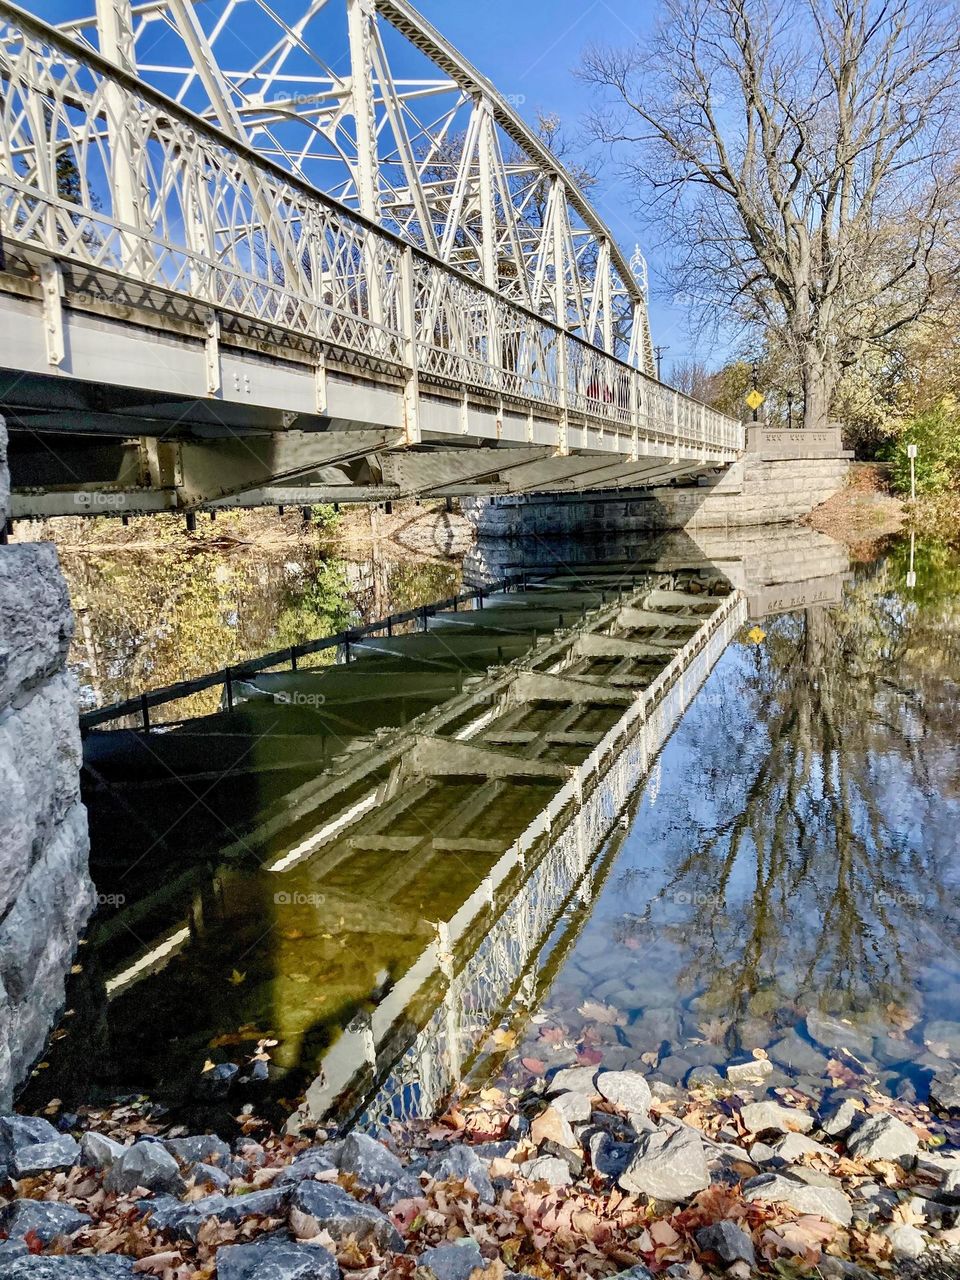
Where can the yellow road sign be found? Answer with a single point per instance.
(755, 399)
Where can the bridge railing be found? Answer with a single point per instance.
(99, 169)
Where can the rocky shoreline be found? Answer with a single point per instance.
(584, 1172)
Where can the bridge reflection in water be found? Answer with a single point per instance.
(385, 862)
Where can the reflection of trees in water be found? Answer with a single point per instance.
(147, 619)
(823, 844)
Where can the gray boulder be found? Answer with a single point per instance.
(305, 1166)
(34, 1267)
(754, 1071)
(667, 1166)
(794, 1146)
(204, 1146)
(550, 1169)
(609, 1157)
(218, 1081)
(729, 1242)
(17, 1132)
(462, 1163)
(46, 1218)
(97, 1151)
(334, 1210)
(573, 1080)
(945, 1090)
(184, 1220)
(574, 1107)
(906, 1241)
(146, 1164)
(763, 1117)
(452, 1261)
(369, 1161)
(883, 1137)
(276, 1257)
(823, 1202)
(842, 1119)
(940, 1035)
(639, 1272)
(627, 1090)
(61, 1152)
(210, 1175)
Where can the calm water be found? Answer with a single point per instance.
(793, 848)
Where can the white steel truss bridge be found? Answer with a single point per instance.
(298, 252)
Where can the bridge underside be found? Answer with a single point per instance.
(126, 399)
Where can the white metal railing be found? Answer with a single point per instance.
(99, 169)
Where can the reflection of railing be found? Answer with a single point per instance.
(162, 201)
(502, 926)
(289, 657)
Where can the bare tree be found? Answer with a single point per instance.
(803, 155)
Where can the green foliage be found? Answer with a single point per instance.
(937, 568)
(937, 437)
(323, 517)
(317, 606)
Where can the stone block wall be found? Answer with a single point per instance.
(46, 895)
(781, 477)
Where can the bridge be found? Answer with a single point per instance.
(258, 255)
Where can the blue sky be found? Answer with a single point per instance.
(530, 49)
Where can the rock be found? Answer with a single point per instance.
(835, 1034)
(549, 1169)
(146, 1164)
(551, 1126)
(463, 1163)
(98, 1151)
(760, 1153)
(753, 1072)
(205, 1146)
(452, 1261)
(276, 1257)
(794, 1146)
(667, 1166)
(892, 1052)
(842, 1119)
(729, 1242)
(307, 1165)
(945, 1091)
(674, 1069)
(943, 1038)
(23, 1131)
(609, 1157)
(323, 1206)
(883, 1137)
(762, 1117)
(572, 1080)
(218, 1081)
(42, 1157)
(703, 1078)
(639, 1272)
(46, 1218)
(11, 1249)
(794, 1053)
(183, 1220)
(369, 1161)
(949, 1189)
(572, 1106)
(33, 1267)
(210, 1175)
(627, 1090)
(906, 1242)
(823, 1202)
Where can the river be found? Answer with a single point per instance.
(782, 878)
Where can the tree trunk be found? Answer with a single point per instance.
(818, 383)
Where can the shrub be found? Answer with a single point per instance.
(937, 437)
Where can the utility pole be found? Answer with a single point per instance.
(658, 353)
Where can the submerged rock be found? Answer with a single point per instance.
(573, 1080)
(667, 1166)
(753, 1072)
(834, 1034)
